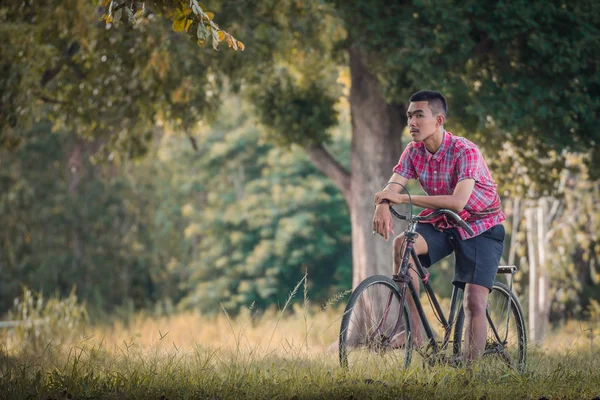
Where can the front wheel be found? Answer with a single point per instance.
(506, 334)
(375, 333)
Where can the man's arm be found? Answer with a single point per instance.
(455, 202)
(382, 219)
(397, 179)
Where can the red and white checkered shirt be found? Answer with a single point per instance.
(456, 159)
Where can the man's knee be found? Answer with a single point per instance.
(420, 244)
(398, 246)
(398, 241)
(475, 302)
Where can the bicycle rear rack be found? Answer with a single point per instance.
(507, 269)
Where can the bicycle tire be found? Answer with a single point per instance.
(515, 330)
(371, 319)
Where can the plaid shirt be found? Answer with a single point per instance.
(456, 159)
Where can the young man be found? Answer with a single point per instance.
(454, 175)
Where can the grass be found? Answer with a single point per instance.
(276, 355)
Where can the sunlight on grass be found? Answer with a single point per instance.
(284, 354)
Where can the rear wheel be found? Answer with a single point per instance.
(506, 341)
(375, 333)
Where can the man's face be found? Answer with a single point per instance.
(421, 122)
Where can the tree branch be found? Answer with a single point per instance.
(47, 99)
(325, 162)
(192, 141)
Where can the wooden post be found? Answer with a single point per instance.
(533, 283)
(542, 271)
(516, 219)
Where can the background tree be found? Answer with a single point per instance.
(510, 71)
(260, 217)
(505, 79)
(177, 228)
(520, 73)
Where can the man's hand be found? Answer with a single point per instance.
(392, 197)
(382, 221)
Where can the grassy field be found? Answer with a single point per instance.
(189, 356)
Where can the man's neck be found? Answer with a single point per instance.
(433, 142)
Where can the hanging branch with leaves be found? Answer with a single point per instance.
(190, 17)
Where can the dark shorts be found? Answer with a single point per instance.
(477, 258)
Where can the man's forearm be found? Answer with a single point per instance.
(435, 202)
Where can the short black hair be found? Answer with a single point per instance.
(435, 100)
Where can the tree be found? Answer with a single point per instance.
(508, 70)
(109, 86)
(519, 71)
(260, 217)
(59, 233)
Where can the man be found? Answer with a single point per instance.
(454, 175)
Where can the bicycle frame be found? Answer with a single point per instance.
(401, 276)
(404, 279)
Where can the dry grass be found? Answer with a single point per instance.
(275, 355)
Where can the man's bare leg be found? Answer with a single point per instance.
(420, 248)
(475, 303)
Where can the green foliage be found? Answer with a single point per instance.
(266, 217)
(571, 241)
(305, 113)
(289, 73)
(98, 227)
(519, 72)
(41, 321)
(574, 244)
(514, 71)
(519, 69)
(521, 78)
(109, 84)
(241, 212)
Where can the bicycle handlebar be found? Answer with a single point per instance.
(434, 214)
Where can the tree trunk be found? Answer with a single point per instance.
(74, 176)
(376, 147)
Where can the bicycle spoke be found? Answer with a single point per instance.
(503, 329)
(372, 323)
(506, 337)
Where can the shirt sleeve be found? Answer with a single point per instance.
(405, 165)
(469, 165)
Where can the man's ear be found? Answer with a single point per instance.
(440, 119)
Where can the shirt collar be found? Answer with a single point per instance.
(443, 147)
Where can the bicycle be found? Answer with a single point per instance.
(377, 311)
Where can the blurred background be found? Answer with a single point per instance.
(143, 170)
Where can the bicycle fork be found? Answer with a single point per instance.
(401, 280)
